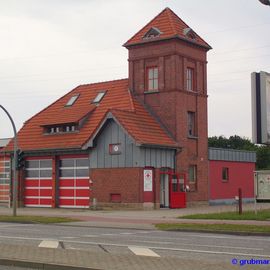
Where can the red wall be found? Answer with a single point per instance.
(240, 176)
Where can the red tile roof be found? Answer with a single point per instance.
(129, 112)
(170, 26)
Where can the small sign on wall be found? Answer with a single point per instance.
(115, 149)
(148, 180)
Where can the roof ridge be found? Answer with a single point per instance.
(86, 84)
(169, 13)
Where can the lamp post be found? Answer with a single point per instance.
(14, 201)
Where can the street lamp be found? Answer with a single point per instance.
(265, 2)
(14, 201)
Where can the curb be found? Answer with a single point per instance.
(218, 232)
(41, 265)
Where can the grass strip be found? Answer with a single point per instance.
(236, 228)
(36, 219)
(246, 215)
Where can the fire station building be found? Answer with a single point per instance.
(137, 141)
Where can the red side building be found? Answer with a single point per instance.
(230, 170)
(136, 141)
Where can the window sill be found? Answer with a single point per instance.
(151, 92)
(193, 137)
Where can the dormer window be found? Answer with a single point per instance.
(152, 79)
(61, 129)
(152, 33)
(99, 97)
(72, 100)
(188, 32)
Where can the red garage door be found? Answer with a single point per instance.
(38, 183)
(4, 179)
(74, 189)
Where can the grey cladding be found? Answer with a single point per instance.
(131, 155)
(231, 155)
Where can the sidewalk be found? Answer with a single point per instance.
(60, 259)
(136, 219)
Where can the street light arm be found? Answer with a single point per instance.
(14, 204)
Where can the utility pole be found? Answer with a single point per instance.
(15, 180)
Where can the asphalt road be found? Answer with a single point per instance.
(191, 246)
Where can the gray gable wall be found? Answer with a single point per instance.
(131, 154)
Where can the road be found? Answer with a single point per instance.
(192, 246)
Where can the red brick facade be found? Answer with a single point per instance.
(172, 102)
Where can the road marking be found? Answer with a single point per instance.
(149, 247)
(197, 245)
(109, 234)
(141, 251)
(69, 237)
(126, 233)
(90, 235)
(49, 244)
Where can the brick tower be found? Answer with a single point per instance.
(167, 72)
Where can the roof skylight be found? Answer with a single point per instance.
(72, 100)
(99, 97)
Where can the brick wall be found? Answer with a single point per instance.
(124, 181)
(172, 102)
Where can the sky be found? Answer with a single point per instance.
(48, 47)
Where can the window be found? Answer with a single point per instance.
(225, 174)
(192, 173)
(191, 124)
(99, 97)
(152, 32)
(75, 167)
(72, 100)
(190, 79)
(152, 84)
(39, 169)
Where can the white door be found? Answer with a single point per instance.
(164, 190)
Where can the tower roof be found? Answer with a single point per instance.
(166, 25)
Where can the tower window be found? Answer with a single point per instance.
(192, 173)
(152, 74)
(191, 124)
(190, 79)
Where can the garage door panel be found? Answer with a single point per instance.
(82, 182)
(66, 202)
(66, 182)
(46, 201)
(67, 192)
(45, 183)
(46, 192)
(31, 201)
(31, 192)
(82, 202)
(32, 183)
(82, 193)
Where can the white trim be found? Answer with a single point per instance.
(74, 198)
(74, 178)
(37, 205)
(72, 168)
(38, 197)
(73, 206)
(38, 169)
(73, 188)
(38, 188)
(4, 184)
(36, 178)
